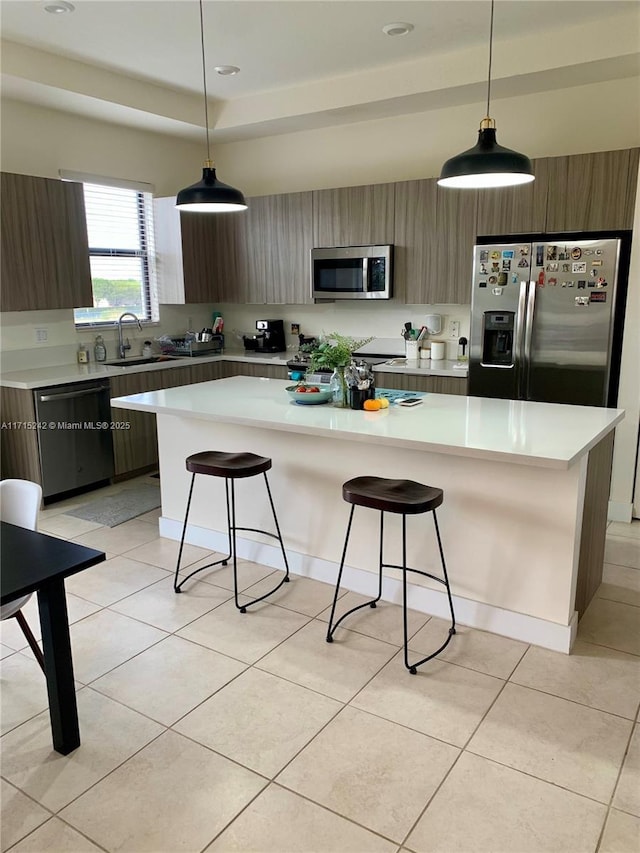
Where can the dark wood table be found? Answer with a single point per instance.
(35, 562)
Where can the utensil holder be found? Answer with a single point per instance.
(411, 350)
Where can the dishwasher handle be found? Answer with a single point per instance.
(71, 395)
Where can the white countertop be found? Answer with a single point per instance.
(545, 435)
(63, 374)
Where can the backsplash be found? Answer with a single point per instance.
(20, 350)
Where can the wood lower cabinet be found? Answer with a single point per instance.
(245, 368)
(45, 250)
(18, 444)
(413, 382)
(206, 371)
(354, 216)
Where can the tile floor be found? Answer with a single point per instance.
(207, 730)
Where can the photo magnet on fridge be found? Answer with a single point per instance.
(539, 256)
(523, 262)
(581, 267)
(484, 255)
(508, 253)
(552, 253)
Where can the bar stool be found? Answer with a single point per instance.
(231, 466)
(403, 497)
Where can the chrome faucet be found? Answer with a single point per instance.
(122, 346)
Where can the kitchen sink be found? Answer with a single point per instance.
(151, 359)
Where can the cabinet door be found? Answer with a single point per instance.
(415, 241)
(455, 237)
(211, 257)
(514, 210)
(206, 372)
(168, 242)
(354, 216)
(19, 447)
(414, 382)
(245, 368)
(592, 192)
(45, 252)
(289, 231)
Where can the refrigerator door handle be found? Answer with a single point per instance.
(528, 333)
(519, 341)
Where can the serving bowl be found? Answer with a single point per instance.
(306, 397)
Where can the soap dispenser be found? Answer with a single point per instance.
(99, 349)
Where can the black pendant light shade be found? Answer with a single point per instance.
(487, 164)
(210, 195)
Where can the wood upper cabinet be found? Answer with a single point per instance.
(354, 216)
(276, 238)
(45, 251)
(455, 237)
(514, 210)
(592, 192)
(212, 256)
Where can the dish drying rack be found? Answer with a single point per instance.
(186, 345)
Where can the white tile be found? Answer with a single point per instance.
(384, 622)
(112, 580)
(338, 669)
(470, 812)
(479, 650)
(441, 700)
(622, 551)
(169, 679)
(620, 583)
(627, 796)
(105, 640)
(248, 573)
(161, 606)
(20, 815)
(621, 833)
(186, 793)
(23, 691)
(67, 526)
(592, 675)
(279, 821)
(120, 539)
(12, 636)
(5, 651)
(54, 836)
(109, 734)
(245, 636)
(164, 553)
(259, 721)
(559, 741)
(626, 531)
(303, 595)
(611, 624)
(374, 772)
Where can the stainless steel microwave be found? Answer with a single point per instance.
(352, 272)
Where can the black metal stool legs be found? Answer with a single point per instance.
(412, 667)
(232, 527)
(331, 629)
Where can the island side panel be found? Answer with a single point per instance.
(594, 522)
(511, 532)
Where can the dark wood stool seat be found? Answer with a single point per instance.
(399, 496)
(231, 467)
(402, 497)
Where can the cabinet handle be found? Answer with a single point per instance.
(68, 395)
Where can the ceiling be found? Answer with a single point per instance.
(303, 63)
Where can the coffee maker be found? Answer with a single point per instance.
(270, 337)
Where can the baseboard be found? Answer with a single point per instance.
(485, 617)
(619, 511)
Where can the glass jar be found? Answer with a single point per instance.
(338, 387)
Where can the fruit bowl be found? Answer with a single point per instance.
(308, 397)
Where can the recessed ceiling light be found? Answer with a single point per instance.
(58, 7)
(398, 29)
(226, 70)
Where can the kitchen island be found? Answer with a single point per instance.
(525, 485)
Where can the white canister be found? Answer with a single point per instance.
(411, 350)
(425, 353)
(437, 350)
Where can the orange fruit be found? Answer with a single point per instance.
(372, 405)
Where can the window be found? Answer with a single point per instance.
(121, 253)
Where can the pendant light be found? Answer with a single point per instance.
(209, 195)
(487, 164)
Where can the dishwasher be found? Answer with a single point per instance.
(74, 436)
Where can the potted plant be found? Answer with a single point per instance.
(334, 352)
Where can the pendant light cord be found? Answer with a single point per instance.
(490, 58)
(204, 81)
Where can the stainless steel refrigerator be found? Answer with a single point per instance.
(547, 314)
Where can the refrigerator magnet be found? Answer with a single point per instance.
(566, 267)
(483, 269)
(497, 291)
(582, 300)
(514, 278)
(493, 279)
(508, 253)
(552, 267)
(539, 256)
(582, 267)
(598, 297)
(593, 273)
(482, 284)
(523, 262)
(552, 253)
(570, 284)
(506, 265)
(591, 284)
(502, 279)
(484, 255)
(576, 253)
(524, 250)
(602, 282)
(552, 282)
(596, 263)
(582, 284)
(541, 278)
(495, 256)
(495, 266)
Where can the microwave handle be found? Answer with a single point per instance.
(365, 275)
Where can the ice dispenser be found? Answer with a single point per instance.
(497, 339)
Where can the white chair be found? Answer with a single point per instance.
(19, 505)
